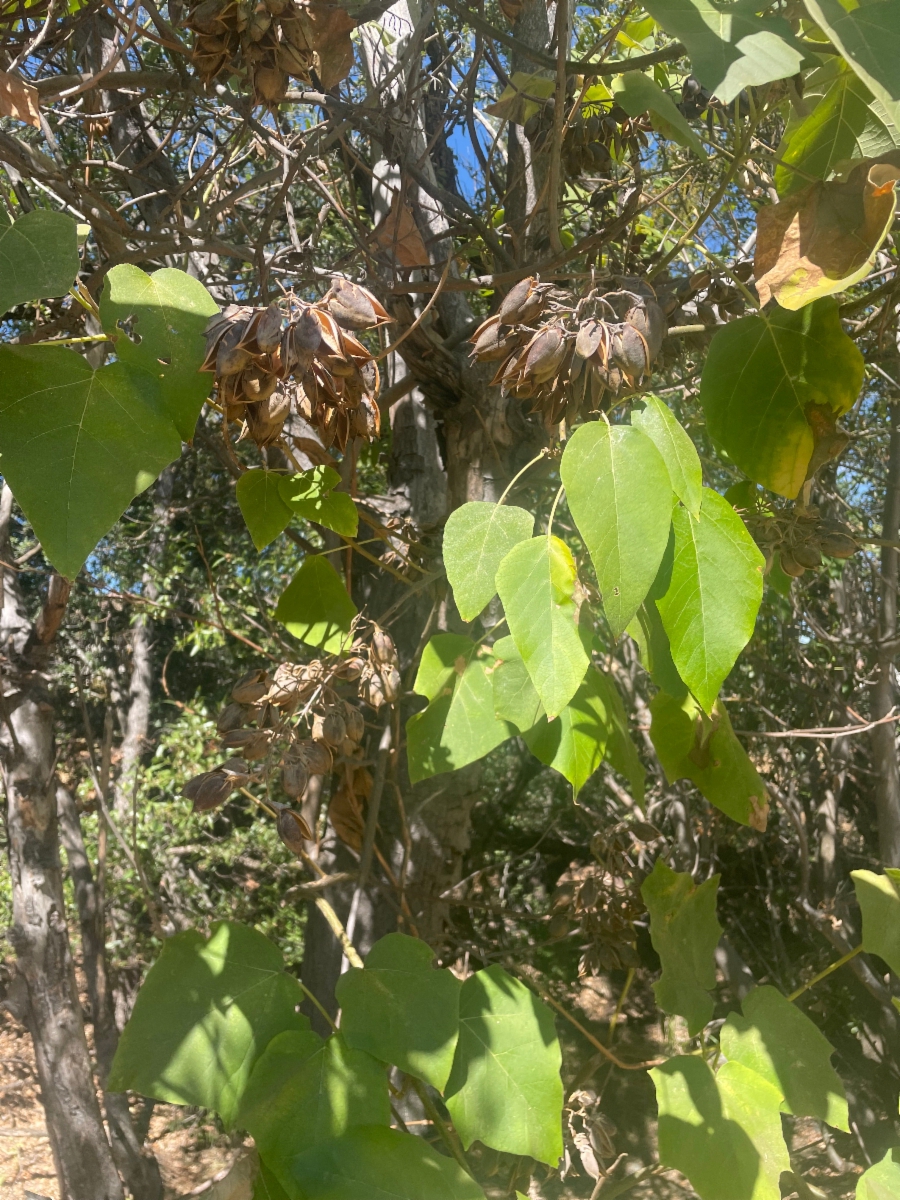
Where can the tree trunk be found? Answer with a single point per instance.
(884, 737)
(140, 1171)
(81, 1152)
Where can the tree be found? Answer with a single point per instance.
(478, 445)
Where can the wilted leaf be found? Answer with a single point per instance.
(705, 750)
(19, 100)
(684, 932)
(328, 32)
(730, 48)
(776, 416)
(824, 238)
(399, 233)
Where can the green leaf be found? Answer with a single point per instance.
(266, 1186)
(709, 610)
(705, 750)
(620, 496)
(722, 1131)
(799, 372)
(166, 313)
(264, 512)
(38, 257)
(657, 422)
(477, 537)
(536, 582)
(780, 1043)
(315, 607)
(505, 1089)
(310, 495)
(730, 48)
(521, 97)
(879, 903)
(515, 697)
(621, 753)
(881, 1182)
(869, 39)
(684, 932)
(842, 127)
(374, 1163)
(638, 93)
(304, 1091)
(459, 725)
(575, 743)
(78, 444)
(401, 1010)
(205, 1013)
(653, 646)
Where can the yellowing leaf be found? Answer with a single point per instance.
(521, 97)
(824, 238)
(639, 93)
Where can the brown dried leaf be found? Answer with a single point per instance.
(345, 815)
(328, 30)
(824, 238)
(399, 233)
(19, 100)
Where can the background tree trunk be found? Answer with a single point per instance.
(39, 936)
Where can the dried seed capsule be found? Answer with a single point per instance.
(213, 788)
(522, 303)
(807, 555)
(232, 716)
(383, 648)
(315, 755)
(629, 352)
(256, 384)
(294, 777)
(250, 687)
(590, 336)
(231, 357)
(390, 684)
(355, 723)
(288, 683)
(544, 354)
(350, 668)
(371, 689)
(293, 830)
(268, 330)
(838, 545)
(329, 728)
(353, 307)
(252, 743)
(790, 566)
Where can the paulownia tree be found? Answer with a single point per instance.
(531, 328)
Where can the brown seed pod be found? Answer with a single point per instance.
(293, 830)
(807, 555)
(390, 684)
(251, 687)
(256, 384)
(353, 307)
(544, 353)
(523, 302)
(231, 357)
(371, 688)
(232, 716)
(294, 777)
(252, 743)
(492, 341)
(212, 788)
(591, 337)
(630, 353)
(315, 755)
(329, 728)
(354, 722)
(789, 564)
(383, 648)
(350, 668)
(289, 683)
(266, 418)
(838, 545)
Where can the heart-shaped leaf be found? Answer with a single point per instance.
(477, 537)
(263, 509)
(38, 257)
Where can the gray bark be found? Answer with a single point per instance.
(39, 936)
(884, 737)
